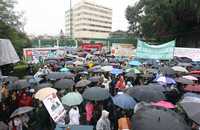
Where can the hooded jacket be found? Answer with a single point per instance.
(103, 123)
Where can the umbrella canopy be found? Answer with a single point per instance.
(124, 101)
(107, 68)
(180, 69)
(184, 64)
(44, 92)
(191, 106)
(147, 94)
(164, 104)
(152, 70)
(64, 70)
(43, 85)
(28, 77)
(189, 94)
(51, 61)
(131, 75)
(3, 126)
(72, 99)
(190, 77)
(59, 75)
(83, 83)
(167, 71)
(96, 94)
(157, 87)
(195, 72)
(78, 63)
(64, 83)
(95, 79)
(192, 88)
(184, 81)
(21, 84)
(166, 80)
(116, 71)
(21, 111)
(10, 78)
(134, 63)
(133, 70)
(150, 118)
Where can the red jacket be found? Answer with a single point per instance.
(25, 100)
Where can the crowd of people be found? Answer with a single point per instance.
(103, 115)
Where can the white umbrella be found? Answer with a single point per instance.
(107, 68)
(190, 77)
(180, 69)
(44, 92)
(78, 63)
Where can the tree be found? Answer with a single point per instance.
(11, 27)
(165, 20)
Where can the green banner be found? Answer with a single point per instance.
(160, 52)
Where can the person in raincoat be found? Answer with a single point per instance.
(103, 123)
(74, 116)
(89, 108)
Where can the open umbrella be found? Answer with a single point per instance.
(64, 83)
(21, 111)
(134, 63)
(151, 118)
(131, 75)
(192, 88)
(184, 81)
(147, 94)
(64, 70)
(107, 68)
(133, 70)
(167, 71)
(72, 99)
(43, 85)
(164, 104)
(184, 64)
(190, 77)
(44, 92)
(83, 83)
(95, 79)
(116, 71)
(180, 69)
(191, 106)
(124, 101)
(166, 80)
(189, 94)
(59, 75)
(96, 94)
(21, 84)
(10, 78)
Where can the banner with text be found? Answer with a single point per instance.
(160, 52)
(119, 49)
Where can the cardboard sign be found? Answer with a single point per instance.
(54, 107)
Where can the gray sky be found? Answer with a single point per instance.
(47, 16)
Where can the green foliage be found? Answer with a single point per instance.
(11, 27)
(165, 20)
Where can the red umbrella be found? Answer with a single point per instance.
(164, 104)
(195, 72)
(192, 88)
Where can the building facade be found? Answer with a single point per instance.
(88, 20)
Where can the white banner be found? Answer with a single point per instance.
(192, 53)
(54, 107)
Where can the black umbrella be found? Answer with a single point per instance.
(157, 87)
(64, 83)
(152, 118)
(96, 94)
(191, 106)
(185, 64)
(21, 84)
(144, 93)
(44, 85)
(167, 70)
(83, 83)
(184, 81)
(131, 75)
(59, 75)
(10, 78)
(51, 61)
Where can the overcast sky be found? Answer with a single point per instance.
(47, 16)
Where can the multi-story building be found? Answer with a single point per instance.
(88, 20)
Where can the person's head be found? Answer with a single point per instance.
(104, 114)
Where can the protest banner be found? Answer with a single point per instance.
(160, 52)
(55, 108)
(127, 50)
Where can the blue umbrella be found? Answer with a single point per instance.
(124, 101)
(134, 63)
(116, 71)
(166, 80)
(64, 70)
